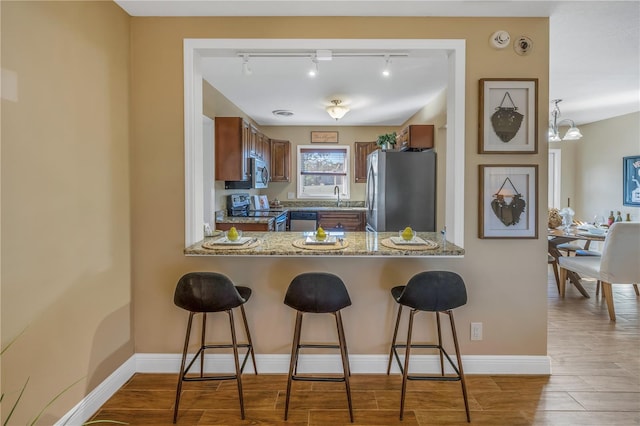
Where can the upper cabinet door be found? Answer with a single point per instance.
(362, 150)
(280, 161)
(231, 149)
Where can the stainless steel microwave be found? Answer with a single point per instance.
(259, 174)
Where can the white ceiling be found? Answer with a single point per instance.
(594, 60)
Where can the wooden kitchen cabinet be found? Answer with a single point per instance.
(280, 161)
(266, 151)
(340, 219)
(232, 145)
(416, 136)
(362, 150)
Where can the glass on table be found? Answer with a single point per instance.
(598, 221)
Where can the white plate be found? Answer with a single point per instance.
(417, 241)
(590, 234)
(328, 241)
(225, 241)
(585, 227)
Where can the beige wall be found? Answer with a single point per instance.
(506, 279)
(596, 170)
(66, 256)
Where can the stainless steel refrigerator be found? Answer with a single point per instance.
(401, 190)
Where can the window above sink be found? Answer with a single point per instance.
(322, 169)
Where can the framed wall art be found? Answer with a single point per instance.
(508, 201)
(508, 116)
(631, 181)
(324, 137)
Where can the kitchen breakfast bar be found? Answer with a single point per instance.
(350, 244)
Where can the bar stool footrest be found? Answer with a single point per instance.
(426, 346)
(317, 379)
(221, 346)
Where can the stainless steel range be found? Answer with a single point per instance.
(238, 205)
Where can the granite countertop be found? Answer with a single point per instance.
(356, 244)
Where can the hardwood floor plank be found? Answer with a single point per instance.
(255, 417)
(150, 416)
(361, 418)
(325, 400)
(485, 418)
(151, 399)
(608, 401)
(425, 400)
(584, 418)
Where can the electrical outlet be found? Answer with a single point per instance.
(476, 331)
(290, 196)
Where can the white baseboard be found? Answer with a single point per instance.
(279, 364)
(97, 397)
(363, 364)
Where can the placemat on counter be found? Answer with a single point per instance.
(211, 246)
(390, 244)
(337, 246)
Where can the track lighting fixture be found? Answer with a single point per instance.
(246, 70)
(313, 71)
(386, 72)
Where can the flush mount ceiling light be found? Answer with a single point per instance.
(246, 70)
(572, 134)
(336, 110)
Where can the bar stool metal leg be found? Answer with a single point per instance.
(293, 364)
(184, 360)
(393, 341)
(440, 343)
(234, 344)
(459, 359)
(204, 332)
(249, 342)
(345, 361)
(405, 372)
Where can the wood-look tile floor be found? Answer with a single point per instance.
(595, 381)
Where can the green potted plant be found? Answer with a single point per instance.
(386, 141)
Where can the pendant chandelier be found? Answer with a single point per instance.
(572, 134)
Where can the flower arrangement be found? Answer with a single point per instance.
(555, 219)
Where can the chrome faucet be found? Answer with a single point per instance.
(336, 191)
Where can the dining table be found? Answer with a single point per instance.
(560, 235)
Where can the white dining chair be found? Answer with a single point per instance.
(618, 264)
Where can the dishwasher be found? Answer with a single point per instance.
(303, 221)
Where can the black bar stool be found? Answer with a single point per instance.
(317, 292)
(203, 292)
(432, 291)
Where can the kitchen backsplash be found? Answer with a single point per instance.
(321, 203)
